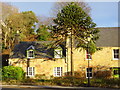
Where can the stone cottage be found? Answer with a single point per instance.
(37, 59)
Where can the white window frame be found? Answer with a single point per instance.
(28, 52)
(31, 47)
(32, 71)
(89, 72)
(87, 55)
(57, 53)
(116, 54)
(58, 73)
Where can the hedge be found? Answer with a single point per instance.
(12, 73)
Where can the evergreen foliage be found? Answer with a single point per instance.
(42, 32)
(72, 19)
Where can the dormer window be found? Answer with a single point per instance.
(58, 52)
(30, 52)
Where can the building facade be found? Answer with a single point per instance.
(36, 59)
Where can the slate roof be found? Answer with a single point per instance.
(109, 37)
(41, 50)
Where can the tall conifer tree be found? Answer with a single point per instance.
(72, 19)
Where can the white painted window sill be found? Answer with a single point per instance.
(89, 77)
(115, 59)
(30, 57)
(88, 59)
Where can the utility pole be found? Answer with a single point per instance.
(72, 67)
(88, 61)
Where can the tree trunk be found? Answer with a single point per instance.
(72, 65)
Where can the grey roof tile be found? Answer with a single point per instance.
(109, 37)
(40, 48)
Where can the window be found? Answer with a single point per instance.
(88, 55)
(58, 53)
(31, 71)
(116, 54)
(116, 72)
(31, 54)
(89, 72)
(57, 71)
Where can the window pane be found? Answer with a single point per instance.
(89, 72)
(116, 72)
(31, 54)
(58, 53)
(116, 50)
(88, 55)
(58, 68)
(116, 53)
(89, 69)
(58, 71)
(30, 68)
(116, 56)
(31, 71)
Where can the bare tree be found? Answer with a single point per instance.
(62, 3)
(6, 10)
(43, 20)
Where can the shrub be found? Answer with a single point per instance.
(112, 81)
(69, 81)
(40, 76)
(28, 81)
(78, 74)
(102, 74)
(105, 82)
(13, 73)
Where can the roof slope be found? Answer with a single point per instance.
(109, 37)
(41, 49)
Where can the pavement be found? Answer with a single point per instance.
(55, 87)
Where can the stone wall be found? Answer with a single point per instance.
(102, 59)
(42, 66)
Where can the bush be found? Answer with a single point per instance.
(29, 81)
(40, 76)
(102, 74)
(112, 81)
(13, 73)
(105, 82)
(69, 81)
(78, 74)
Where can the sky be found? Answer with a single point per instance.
(104, 14)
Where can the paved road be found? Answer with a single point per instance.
(24, 89)
(15, 87)
(56, 89)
